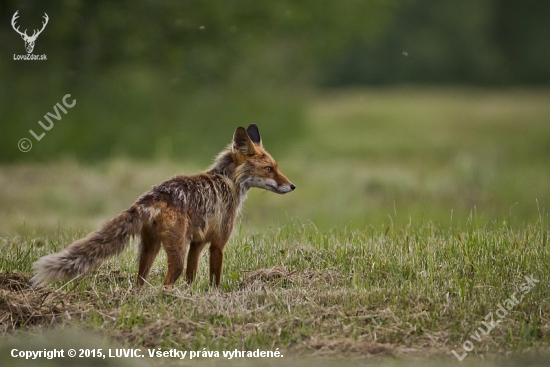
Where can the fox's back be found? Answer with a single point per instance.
(208, 202)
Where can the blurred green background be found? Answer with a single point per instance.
(381, 112)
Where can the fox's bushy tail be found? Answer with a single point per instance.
(87, 254)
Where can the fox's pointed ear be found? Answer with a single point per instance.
(254, 134)
(242, 142)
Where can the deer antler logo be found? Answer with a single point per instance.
(29, 40)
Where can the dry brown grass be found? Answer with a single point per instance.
(22, 307)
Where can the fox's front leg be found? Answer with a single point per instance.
(216, 260)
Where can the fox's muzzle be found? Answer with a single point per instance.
(283, 189)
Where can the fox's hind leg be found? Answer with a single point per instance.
(173, 237)
(149, 248)
(216, 261)
(175, 251)
(195, 250)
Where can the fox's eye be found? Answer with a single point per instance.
(269, 169)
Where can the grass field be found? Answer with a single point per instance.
(417, 213)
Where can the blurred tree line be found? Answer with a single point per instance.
(479, 42)
(166, 78)
(155, 78)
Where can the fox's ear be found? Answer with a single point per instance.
(242, 142)
(254, 134)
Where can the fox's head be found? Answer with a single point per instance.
(255, 167)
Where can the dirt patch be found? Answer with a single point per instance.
(286, 277)
(267, 276)
(23, 306)
(345, 346)
(151, 335)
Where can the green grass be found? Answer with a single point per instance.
(428, 154)
(411, 292)
(417, 211)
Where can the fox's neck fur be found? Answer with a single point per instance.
(224, 165)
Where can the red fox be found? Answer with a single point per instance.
(185, 210)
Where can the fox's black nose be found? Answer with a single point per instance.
(292, 186)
